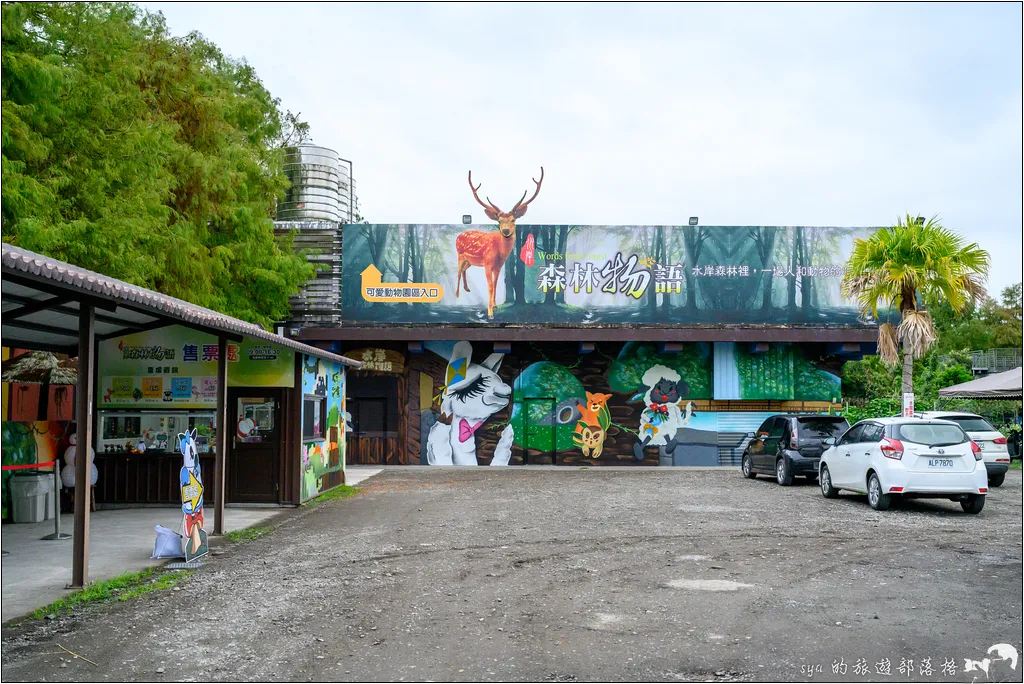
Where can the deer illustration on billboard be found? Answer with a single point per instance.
(490, 249)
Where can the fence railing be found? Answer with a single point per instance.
(995, 360)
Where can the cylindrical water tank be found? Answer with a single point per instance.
(315, 174)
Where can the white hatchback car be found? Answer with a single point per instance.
(908, 457)
(981, 432)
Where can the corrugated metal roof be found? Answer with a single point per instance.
(21, 261)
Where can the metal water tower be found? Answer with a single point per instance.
(317, 181)
(318, 202)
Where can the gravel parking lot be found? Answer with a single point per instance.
(572, 575)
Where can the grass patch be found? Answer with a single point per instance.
(1016, 464)
(122, 588)
(340, 492)
(248, 534)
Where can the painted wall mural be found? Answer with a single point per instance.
(621, 404)
(601, 275)
(471, 394)
(323, 458)
(28, 442)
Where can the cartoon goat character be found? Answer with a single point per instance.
(662, 416)
(192, 496)
(472, 394)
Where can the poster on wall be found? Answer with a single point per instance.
(600, 275)
(177, 367)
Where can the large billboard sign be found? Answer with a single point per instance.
(596, 275)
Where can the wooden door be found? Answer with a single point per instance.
(370, 442)
(254, 460)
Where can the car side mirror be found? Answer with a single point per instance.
(830, 441)
(750, 435)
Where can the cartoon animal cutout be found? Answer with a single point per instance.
(472, 394)
(192, 497)
(590, 429)
(663, 412)
(489, 249)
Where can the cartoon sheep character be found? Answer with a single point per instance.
(472, 394)
(663, 410)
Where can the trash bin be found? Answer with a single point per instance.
(30, 494)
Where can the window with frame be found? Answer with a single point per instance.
(314, 417)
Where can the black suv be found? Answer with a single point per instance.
(790, 445)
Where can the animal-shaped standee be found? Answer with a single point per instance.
(472, 394)
(590, 433)
(191, 496)
(489, 249)
(663, 392)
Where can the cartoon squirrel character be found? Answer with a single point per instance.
(589, 434)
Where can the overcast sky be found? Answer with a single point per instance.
(770, 114)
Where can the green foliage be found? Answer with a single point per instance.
(882, 407)
(694, 365)
(123, 587)
(897, 264)
(248, 534)
(146, 157)
(343, 491)
(993, 324)
(869, 378)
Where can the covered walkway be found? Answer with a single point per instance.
(54, 306)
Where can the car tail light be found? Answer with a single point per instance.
(892, 448)
(999, 440)
(982, 490)
(1002, 460)
(896, 489)
(793, 442)
(977, 451)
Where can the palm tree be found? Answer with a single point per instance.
(897, 267)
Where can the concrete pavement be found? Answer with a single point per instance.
(35, 572)
(562, 575)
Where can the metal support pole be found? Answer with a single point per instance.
(83, 462)
(221, 436)
(57, 534)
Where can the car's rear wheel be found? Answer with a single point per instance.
(878, 500)
(973, 503)
(747, 467)
(996, 480)
(782, 474)
(827, 490)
